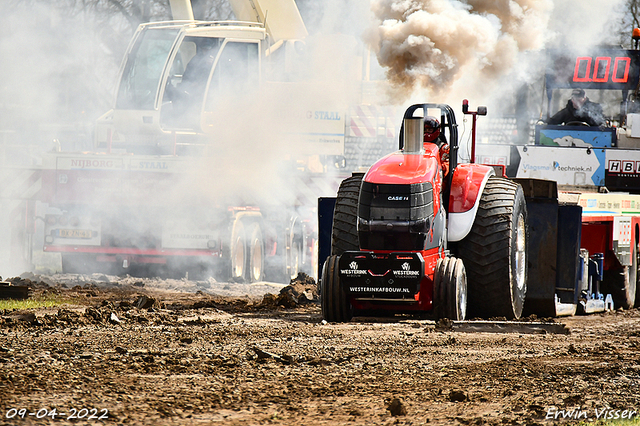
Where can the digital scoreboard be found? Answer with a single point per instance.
(602, 69)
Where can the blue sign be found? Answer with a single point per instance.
(575, 136)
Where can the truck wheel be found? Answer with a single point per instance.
(344, 232)
(450, 289)
(495, 252)
(335, 303)
(255, 265)
(314, 260)
(238, 252)
(621, 283)
(294, 259)
(83, 263)
(77, 264)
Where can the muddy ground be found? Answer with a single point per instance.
(175, 352)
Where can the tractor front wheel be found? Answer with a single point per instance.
(335, 302)
(450, 289)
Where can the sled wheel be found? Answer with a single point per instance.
(450, 289)
(344, 232)
(495, 252)
(255, 266)
(335, 302)
(636, 277)
(238, 252)
(621, 283)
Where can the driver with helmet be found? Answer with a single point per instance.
(433, 134)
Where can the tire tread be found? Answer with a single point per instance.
(344, 233)
(486, 251)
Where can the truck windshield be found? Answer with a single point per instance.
(143, 69)
(236, 71)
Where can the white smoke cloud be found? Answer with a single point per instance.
(60, 69)
(62, 73)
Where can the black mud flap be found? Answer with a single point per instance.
(375, 276)
(325, 223)
(554, 250)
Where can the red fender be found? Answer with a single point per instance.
(467, 185)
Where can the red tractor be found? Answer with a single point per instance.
(422, 233)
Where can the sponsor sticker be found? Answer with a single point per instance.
(379, 290)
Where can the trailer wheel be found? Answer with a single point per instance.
(621, 283)
(344, 232)
(238, 252)
(335, 302)
(495, 252)
(255, 265)
(450, 289)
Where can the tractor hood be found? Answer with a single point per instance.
(401, 168)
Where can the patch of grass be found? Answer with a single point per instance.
(635, 421)
(43, 301)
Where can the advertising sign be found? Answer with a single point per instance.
(623, 170)
(565, 165)
(575, 136)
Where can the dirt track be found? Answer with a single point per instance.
(195, 358)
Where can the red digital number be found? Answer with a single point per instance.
(582, 71)
(617, 69)
(601, 69)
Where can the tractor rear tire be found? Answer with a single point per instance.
(450, 289)
(495, 252)
(344, 232)
(335, 302)
(622, 283)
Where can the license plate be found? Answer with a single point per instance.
(74, 233)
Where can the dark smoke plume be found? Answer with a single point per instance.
(443, 46)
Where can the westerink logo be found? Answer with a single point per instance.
(353, 269)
